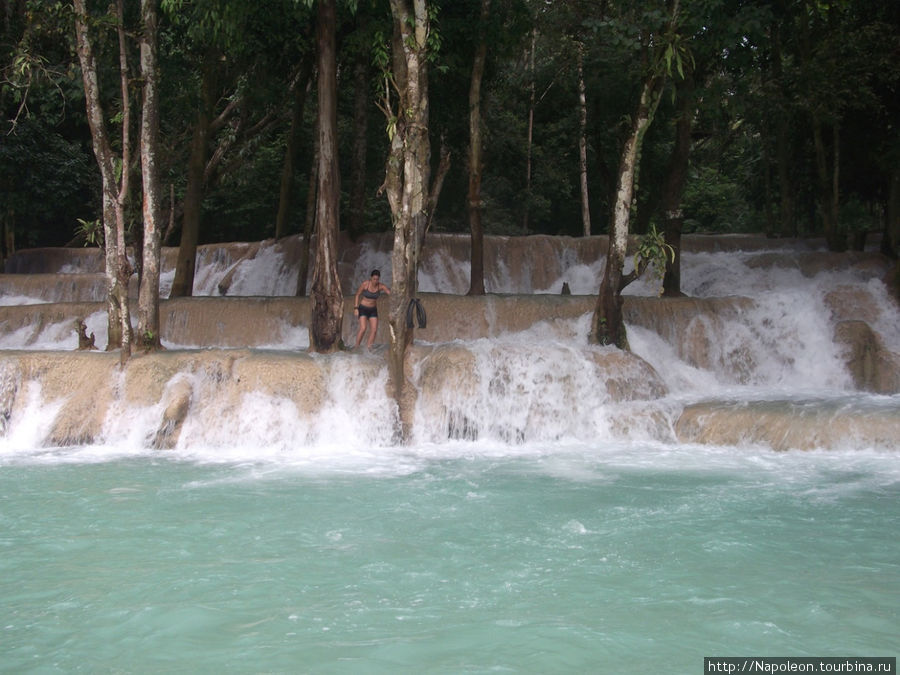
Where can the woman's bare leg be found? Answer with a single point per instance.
(362, 330)
(373, 327)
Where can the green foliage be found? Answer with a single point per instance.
(677, 53)
(44, 176)
(858, 217)
(35, 48)
(243, 205)
(149, 339)
(381, 52)
(434, 40)
(653, 251)
(715, 203)
(90, 231)
(837, 60)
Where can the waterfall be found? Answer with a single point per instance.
(760, 342)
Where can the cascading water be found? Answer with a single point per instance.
(761, 327)
(561, 507)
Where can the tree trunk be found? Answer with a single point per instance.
(607, 326)
(891, 240)
(786, 209)
(783, 155)
(582, 143)
(183, 283)
(476, 159)
(103, 154)
(676, 177)
(356, 222)
(8, 241)
(530, 140)
(286, 190)
(310, 219)
(835, 236)
(765, 137)
(123, 267)
(892, 229)
(327, 305)
(406, 183)
(148, 294)
(118, 270)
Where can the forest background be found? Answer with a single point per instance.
(790, 108)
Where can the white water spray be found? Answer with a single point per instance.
(543, 386)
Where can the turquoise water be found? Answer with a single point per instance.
(446, 560)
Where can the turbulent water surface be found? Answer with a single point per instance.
(449, 559)
(535, 524)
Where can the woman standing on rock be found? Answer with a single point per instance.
(365, 306)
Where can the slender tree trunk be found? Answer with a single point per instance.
(786, 209)
(835, 202)
(148, 294)
(286, 190)
(183, 283)
(8, 240)
(891, 241)
(437, 184)
(310, 220)
(476, 158)
(123, 267)
(676, 177)
(327, 305)
(13, 16)
(356, 222)
(835, 236)
(530, 141)
(170, 223)
(765, 133)
(406, 184)
(822, 115)
(783, 155)
(582, 143)
(607, 325)
(118, 271)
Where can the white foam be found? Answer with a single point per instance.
(535, 392)
(27, 426)
(16, 300)
(56, 336)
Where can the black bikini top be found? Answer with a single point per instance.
(370, 295)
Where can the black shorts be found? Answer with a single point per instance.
(368, 312)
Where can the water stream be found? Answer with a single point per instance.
(541, 521)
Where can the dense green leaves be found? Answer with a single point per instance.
(764, 73)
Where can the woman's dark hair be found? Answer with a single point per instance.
(375, 273)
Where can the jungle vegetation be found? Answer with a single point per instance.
(512, 117)
(788, 114)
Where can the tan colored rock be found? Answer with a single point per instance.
(297, 377)
(628, 377)
(872, 367)
(71, 384)
(852, 303)
(178, 399)
(446, 376)
(787, 425)
(89, 387)
(449, 381)
(450, 366)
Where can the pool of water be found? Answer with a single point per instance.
(445, 560)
